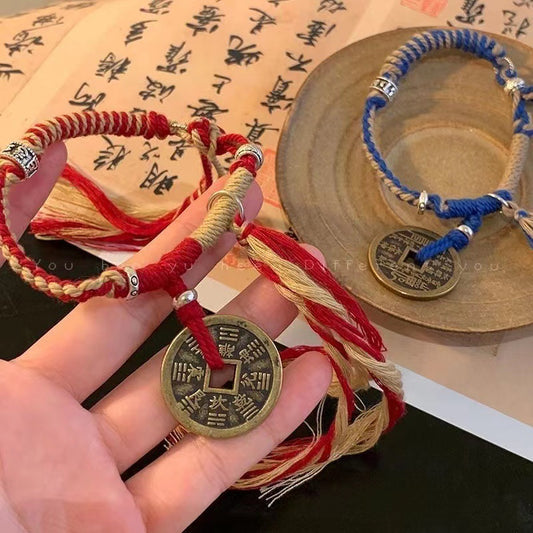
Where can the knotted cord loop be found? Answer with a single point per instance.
(207, 137)
(471, 210)
(165, 274)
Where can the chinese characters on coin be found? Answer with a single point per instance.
(252, 376)
(392, 258)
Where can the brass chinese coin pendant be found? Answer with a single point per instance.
(227, 402)
(392, 260)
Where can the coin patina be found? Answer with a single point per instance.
(392, 258)
(198, 399)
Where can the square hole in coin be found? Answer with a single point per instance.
(409, 258)
(224, 380)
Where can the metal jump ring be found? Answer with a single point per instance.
(513, 84)
(253, 150)
(503, 201)
(223, 192)
(510, 64)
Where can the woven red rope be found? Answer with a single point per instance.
(165, 274)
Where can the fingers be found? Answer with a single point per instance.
(133, 418)
(26, 197)
(93, 341)
(178, 486)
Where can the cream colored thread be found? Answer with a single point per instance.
(356, 437)
(195, 140)
(219, 218)
(299, 283)
(515, 163)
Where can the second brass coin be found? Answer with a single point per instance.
(392, 260)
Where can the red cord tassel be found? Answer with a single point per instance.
(364, 335)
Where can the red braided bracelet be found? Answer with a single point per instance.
(114, 282)
(189, 384)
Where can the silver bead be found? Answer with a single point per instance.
(422, 202)
(466, 230)
(513, 84)
(185, 298)
(386, 87)
(223, 192)
(251, 149)
(133, 282)
(23, 156)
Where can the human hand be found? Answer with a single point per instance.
(61, 465)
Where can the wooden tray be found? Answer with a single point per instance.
(448, 131)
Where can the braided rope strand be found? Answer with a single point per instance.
(355, 361)
(113, 282)
(471, 210)
(100, 222)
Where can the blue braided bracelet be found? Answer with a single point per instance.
(471, 210)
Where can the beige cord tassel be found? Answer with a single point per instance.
(276, 472)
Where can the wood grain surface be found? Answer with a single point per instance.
(448, 131)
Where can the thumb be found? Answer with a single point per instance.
(26, 198)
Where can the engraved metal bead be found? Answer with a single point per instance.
(513, 84)
(187, 297)
(466, 230)
(251, 149)
(386, 87)
(23, 156)
(133, 282)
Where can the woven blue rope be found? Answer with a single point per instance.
(470, 210)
